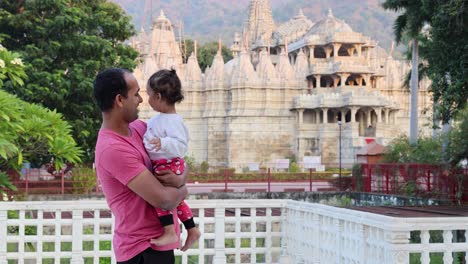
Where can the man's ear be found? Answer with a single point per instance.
(118, 100)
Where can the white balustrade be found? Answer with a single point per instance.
(237, 231)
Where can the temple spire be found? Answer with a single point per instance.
(260, 23)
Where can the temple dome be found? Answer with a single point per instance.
(329, 26)
(292, 29)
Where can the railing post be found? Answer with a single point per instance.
(394, 252)
(63, 182)
(77, 242)
(428, 181)
(225, 180)
(387, 182)
(27, 182)
(269, 180)
(310, 179)
(3, 235)
(220, 250)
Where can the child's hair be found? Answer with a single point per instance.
(167, 83)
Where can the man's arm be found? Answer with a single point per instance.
(168, 178)
(156, 194)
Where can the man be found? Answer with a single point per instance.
(124, 170)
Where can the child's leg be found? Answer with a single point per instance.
(169, 236)
(185, 215)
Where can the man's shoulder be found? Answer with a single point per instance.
(139, 125)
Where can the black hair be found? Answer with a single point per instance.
(107, 85)
(167, 83)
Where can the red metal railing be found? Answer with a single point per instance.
(421, 180)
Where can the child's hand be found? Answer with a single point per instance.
(156, 142)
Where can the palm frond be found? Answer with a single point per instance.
(399, 27)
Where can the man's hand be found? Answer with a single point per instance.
(169, 178)
(156, 142)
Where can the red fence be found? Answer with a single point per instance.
(421, 180)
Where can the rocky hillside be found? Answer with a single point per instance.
(207, 20)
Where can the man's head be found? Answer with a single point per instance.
(117, 91)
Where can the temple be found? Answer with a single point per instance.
(291, 90)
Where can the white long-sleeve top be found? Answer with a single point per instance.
(170, 128)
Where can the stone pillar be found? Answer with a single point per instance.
(367, 79)
(351, 51)
(379, 115)
(311, 54)
(344, 77)
(317, 116)
(359, 80)
(359, 50)
(328, 51)
(77, 238)
(395, 241)
(387, 115)
(325, 115)
(336, 48)
(220, 250)
(353, 114)
(317, 80)
(343, 115)
(336, 80)
(300, 116)
(368, 119)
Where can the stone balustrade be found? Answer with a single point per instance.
(236, 231)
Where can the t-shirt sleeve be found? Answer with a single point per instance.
(122, 163)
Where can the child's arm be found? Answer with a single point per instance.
(176, 141)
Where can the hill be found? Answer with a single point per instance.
(207, 20)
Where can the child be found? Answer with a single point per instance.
(166, 141)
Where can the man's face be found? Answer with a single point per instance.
(133, 98)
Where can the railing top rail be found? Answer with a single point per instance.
(381, 221)
(101, 204)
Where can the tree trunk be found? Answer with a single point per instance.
(414, 94)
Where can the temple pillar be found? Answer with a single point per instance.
(367, 80)
(344, 77)
(328, 50)
(359, 80)
(300, 116)
(359, 50)
(387, 115)
(311, 54)
(379, 115)
(336, 48)
(368, 118)
(317, 116)
(317, 80)
(325, 115)
(336, 80)
(353, 114)
(343, 115)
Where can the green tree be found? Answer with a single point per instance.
(29, 132)
(446, 51)
(207, 52)
(458, 143)
(426, 150)
(410, 23)
(64, 43)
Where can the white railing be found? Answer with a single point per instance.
(237, 231)
(233, 231)
(315, 233)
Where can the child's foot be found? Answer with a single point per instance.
(192, 235)
(169, 237)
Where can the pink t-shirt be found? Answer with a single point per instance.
(118, 160)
